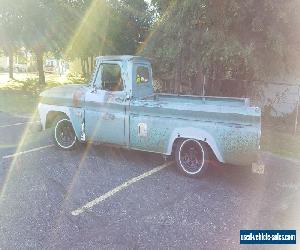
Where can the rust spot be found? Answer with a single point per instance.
(76, 98)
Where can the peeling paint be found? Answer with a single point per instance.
(139, 119)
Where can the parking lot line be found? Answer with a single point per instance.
(119, 188)
(27, 151)
(17, 124)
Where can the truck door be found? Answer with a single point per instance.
(105, 106)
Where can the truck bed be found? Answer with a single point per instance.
(219, 109)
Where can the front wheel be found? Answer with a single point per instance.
(64, 134)
(191, 157)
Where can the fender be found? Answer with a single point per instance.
(78, 124)
(44, 109)
(194, 133)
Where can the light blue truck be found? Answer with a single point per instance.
(119, 107)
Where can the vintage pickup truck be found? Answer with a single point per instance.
(119, 107)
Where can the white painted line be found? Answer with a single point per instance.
(17, 124)
(118, 189)
(27, 151)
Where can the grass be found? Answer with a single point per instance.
(285, 144)
(21, 96)
(17, 103)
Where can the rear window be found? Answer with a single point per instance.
(142, 75)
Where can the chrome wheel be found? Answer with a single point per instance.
(191, 157)
(64, 134)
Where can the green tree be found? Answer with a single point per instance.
(44, 28)
(255, 39)
(10, 28)
(108, 27)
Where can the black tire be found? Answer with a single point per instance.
(64, 135)
(192, 157)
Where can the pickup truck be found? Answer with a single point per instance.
(118, 107)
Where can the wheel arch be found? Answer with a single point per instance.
(48, 113)
(196, 134)
(52, 115)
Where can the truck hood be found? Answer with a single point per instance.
(64, 95)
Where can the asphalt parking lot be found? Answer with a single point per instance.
(135, 201)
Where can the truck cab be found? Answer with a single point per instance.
(116, 82)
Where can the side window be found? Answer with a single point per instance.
(142, 75)
(111, 78)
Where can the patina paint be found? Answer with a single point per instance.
(137, 118)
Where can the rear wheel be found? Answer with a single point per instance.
(191, 157)
(64, 134)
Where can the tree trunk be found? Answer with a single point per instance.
(176, 79)
(11, 64)
(40, 66)
(83, 69)
(177, 83)
(199, 83)
(92, 64)
(87, 66)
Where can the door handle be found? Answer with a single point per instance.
(108, 116)
(119, 99)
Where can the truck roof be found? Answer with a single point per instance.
(123, 58)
